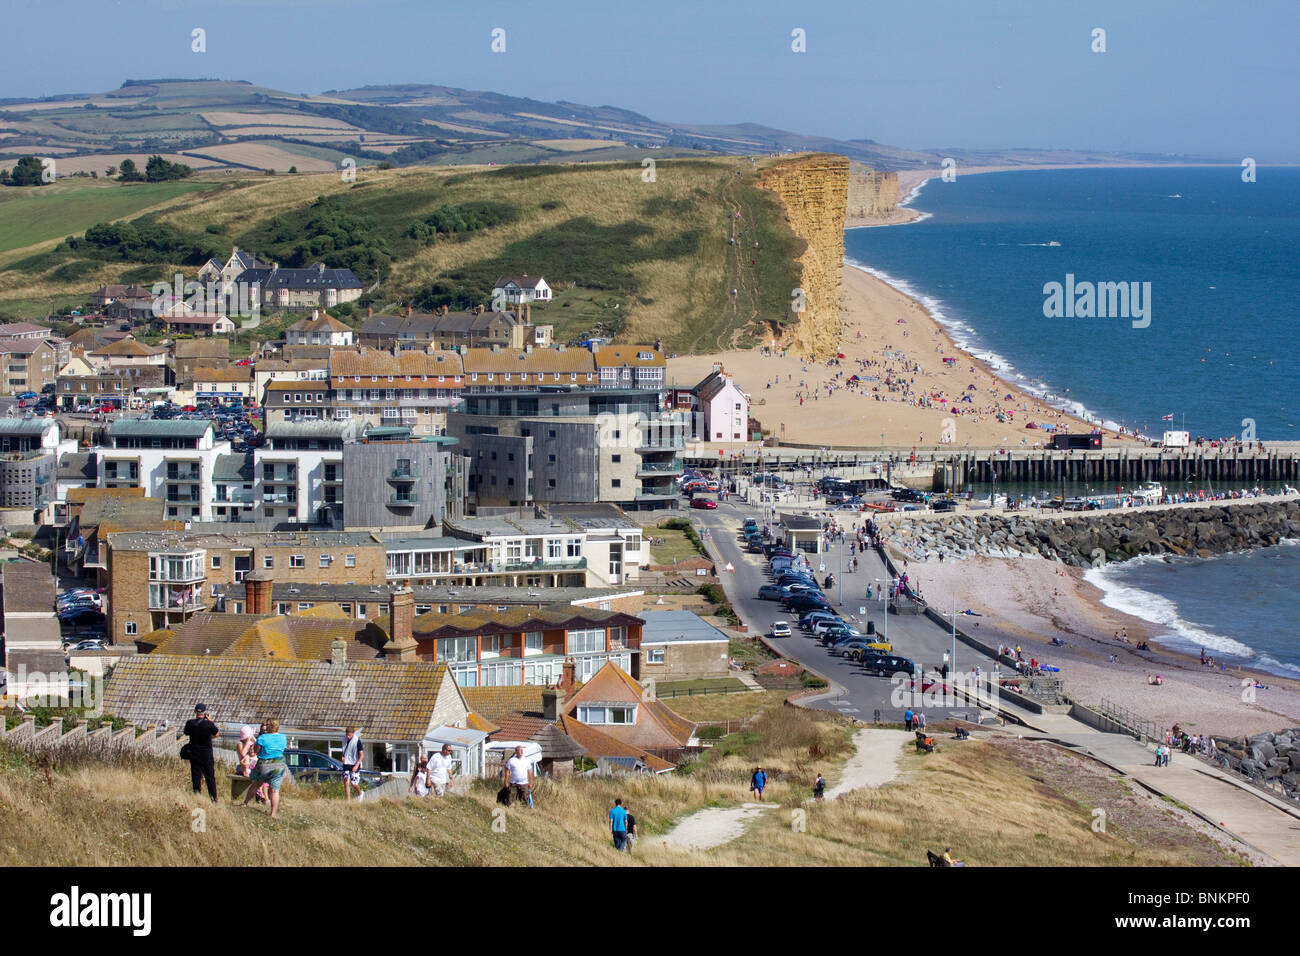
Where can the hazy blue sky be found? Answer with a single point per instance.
(1179, 76)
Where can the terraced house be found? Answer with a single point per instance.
(525, 645)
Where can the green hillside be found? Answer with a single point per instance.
(639, 259)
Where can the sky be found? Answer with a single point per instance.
(1193, 77)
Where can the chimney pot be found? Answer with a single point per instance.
(552, 703)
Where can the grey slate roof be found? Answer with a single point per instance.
(158, 428)
(233, 468)
(25, 426)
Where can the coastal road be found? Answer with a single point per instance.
(913, 636)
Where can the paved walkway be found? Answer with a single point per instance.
(1255, 817)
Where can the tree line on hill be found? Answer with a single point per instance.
(31, 171)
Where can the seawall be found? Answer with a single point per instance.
(1083, 540)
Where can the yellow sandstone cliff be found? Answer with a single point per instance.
(814, 189)
(872, 194)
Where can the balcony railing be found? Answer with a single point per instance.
(653, 442)
(237, 498)
(404, 474)
(405, 502)
(278, 497)
(656, 467)
(542, 564)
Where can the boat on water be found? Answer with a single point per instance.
(1053, 243)
(1149, 493)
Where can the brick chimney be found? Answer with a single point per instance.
(527, 310)
(339, 651)
(568, 676)
(257, 593)
(370, 312)
(408, 311)
(401, 644)
(552, 703)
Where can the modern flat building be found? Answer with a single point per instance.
(299, 471)
(397, 480)
(29, 461)
(29, 364)
(171, 459)
(160, 579)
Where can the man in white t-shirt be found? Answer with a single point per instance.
(519, 778)
(440, 770)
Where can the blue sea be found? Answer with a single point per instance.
(1219, 352)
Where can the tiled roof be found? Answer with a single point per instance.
(657, 727)
(22, 328)
(524, 282)
(234, 373)
(322, 323)
(128, 348)
(383, 363)
(599, 744)
(538, 360)
(27, 586)
(620, 355)
(26, 426)
(389, 700)
(497, 703)
(518, 619)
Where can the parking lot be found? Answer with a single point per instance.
(911, 636)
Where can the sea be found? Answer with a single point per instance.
(1211, 260)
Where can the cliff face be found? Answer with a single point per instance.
(814, 189)
(872, 194)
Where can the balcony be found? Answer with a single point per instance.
(240, 497)
(403, 501)
(653, 442)
(190, 475)
(404, 474)
(278, 498)
(659, 467)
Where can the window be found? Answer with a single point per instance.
(607, 715)
(350, 560)
(216, 562)
(654, 655)
(616, 458)
(268, 562)
(130, 629)
(533, 642)
(574, 547)
(325, 560)
(452, 649)
(297, 561)
(616, 483)
(587, 641)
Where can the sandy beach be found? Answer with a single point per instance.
(1027, 602)
(917, 396)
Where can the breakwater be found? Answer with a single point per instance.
(1091, 538)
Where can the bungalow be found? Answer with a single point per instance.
(201, 324)
(615, 705)
(397, 704)
(681, 645)
(518, 290)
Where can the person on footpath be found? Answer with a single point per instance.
(440, 772)
(202, 731)
(819, 788)
(519, 778)
(758, 782)
(618, 826)
(632, 832)
(271, 768)
(353, 757)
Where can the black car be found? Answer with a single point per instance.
(806, 602)
(887, 665)
(314, 766)
(907, 494)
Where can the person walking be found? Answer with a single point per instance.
(420, 779)
(632, 832)
(907, 718)
(819, 788)
(758, 782)
(618, 826)
(270, 767)
(353, 757)
(202, 731)
(519, 778)
(440, 772)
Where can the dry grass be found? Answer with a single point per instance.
(994, 803)
(727, 706)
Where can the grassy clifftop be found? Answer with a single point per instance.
(995, 803)
(696, 254)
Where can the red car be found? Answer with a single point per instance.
(707, 503)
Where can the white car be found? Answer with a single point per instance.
(780, 629)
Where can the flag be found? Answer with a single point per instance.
(1166, 418)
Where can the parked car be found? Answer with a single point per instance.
(859, 647)
(780, 628)
(886, 665)
(708, 504)
(806, 601)
(812, 617)
(311, 765)
(90, 644)
(773, 592)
